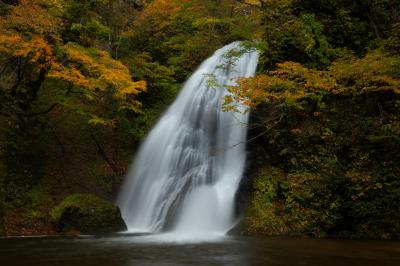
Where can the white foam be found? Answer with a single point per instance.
(188, 169)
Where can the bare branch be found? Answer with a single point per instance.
(253, 138)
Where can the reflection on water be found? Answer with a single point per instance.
(143, 250)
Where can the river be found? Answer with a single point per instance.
(241, 251)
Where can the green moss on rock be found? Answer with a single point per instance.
(87, 213)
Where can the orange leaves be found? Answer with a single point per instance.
(162, 7)
(100, 79)
(33, 17)
(93, 68)
(291, 81)
(133, 88)
(8, 42)
(264, 88)
(70, 75)
(309, 79)
(250, 91)
(77, 54)
(99, 75)
(296, 131)
(37, 51)
(26, 33)
(158, 13)
(86, 80)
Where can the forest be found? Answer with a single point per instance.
(83, 81)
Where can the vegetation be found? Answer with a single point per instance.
(326, 116)
(85, 213)
(82, 82)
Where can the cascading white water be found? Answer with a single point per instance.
(188, 169)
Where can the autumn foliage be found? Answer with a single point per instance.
(292, 82)
(83, 81)
(31, 36)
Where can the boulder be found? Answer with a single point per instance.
(87, 214)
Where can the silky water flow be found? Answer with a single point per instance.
(188, 169)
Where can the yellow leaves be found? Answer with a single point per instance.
(26, 31)
(135, 88)
(95, 69)
(133, 106)
(309, 79)
(88, 81)
(100, 76)
(36, 50)
(7, 43)
(105, 81)
(291, 81)
(33, 17)
(264, 88)
(77, 54)
(71, 75)
(95, 120)
(120, 79)
(376, 70)
(159, 13)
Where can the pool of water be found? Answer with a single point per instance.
(127, 250)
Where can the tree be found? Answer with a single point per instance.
(32, 54)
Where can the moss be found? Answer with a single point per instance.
(263, 214)
(87, 213)
(28, 214)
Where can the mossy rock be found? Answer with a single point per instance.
(87, 214)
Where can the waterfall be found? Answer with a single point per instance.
(188, 169)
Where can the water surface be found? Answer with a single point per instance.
(133, 250)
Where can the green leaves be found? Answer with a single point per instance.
(93, 28)
(315, 42)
